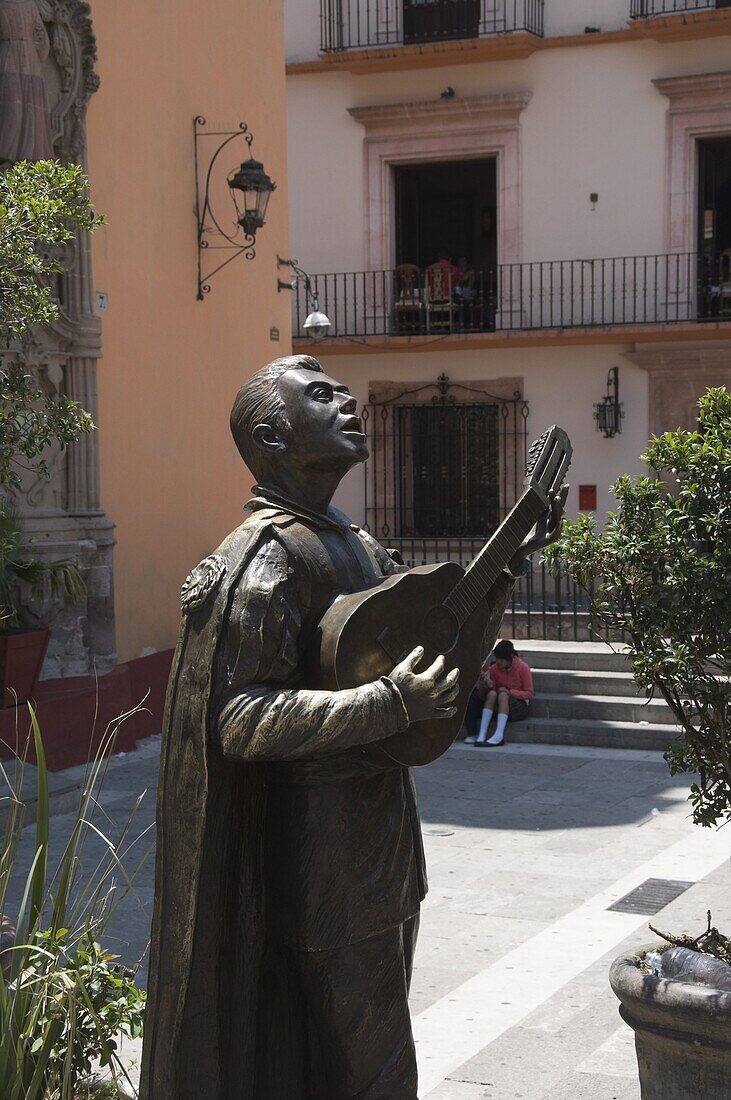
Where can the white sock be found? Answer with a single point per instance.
(499, 733)
(484, 723)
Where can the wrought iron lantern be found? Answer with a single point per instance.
(250, 188)
(609, 412)
(256, 187)
(317, 324)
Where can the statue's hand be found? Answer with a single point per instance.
(428, 694)
(548, 528)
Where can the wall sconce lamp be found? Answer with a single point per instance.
(608, 412)
(250, 188)
(317, 324)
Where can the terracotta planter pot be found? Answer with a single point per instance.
(21, 658)
(682, 1033)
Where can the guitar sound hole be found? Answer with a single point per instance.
(441, 629)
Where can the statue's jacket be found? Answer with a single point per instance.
(276, 820)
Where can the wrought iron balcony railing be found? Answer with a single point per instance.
(552, 294)
(641, 8)
(359, 24)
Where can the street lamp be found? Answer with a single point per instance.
(250, 188)
(317, 324)
(608, 412)
(256, 187)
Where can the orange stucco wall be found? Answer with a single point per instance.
(171, 478)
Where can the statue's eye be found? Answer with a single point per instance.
(322, 393)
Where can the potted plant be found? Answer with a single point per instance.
(41, 207)
(659, 573)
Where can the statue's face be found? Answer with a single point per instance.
(325, 430)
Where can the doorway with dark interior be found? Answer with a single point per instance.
(446, 241)
(714, 228)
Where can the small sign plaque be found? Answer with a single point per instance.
(587, 498)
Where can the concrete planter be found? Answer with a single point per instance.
(682, 1033)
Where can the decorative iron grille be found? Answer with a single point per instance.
(670, 288)
(447, 463)
(642, 8)
(358, 24)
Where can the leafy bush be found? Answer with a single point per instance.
(63, 998)
(42, 206)
(661, 572)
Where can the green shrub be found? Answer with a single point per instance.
(660, 571)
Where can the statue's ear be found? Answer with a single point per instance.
(268, 439)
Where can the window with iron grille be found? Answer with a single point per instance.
(450, 470)
(446, 465)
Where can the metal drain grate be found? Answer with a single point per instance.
(651, 896)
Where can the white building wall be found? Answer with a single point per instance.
(595, 123)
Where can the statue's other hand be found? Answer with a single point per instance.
(547, 530)
(429, 694)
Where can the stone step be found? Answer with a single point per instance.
(582, 682)
(651, 736)
(587, 656)
(613, 708)
(61, 800)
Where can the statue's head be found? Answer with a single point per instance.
(290, 414)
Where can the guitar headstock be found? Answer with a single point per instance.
(548, 460)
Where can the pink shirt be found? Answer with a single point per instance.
(517, 679)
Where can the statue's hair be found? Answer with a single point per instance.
(258, 402)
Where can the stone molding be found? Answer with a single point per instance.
(700, 106)
(455, 129)
(677, 378)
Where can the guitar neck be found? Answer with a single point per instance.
(481, 575)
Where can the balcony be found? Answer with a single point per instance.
(374, 24)
(627, 292)
(641, 9)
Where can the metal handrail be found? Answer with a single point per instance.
(640, 9)
(357, 24)
(664, 288)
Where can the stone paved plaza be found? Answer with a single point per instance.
(527, 846)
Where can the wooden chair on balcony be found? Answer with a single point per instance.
(724, 283)
(409, 307)
(440, 304)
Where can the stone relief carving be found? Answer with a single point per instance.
(25, 131)
(63, 517)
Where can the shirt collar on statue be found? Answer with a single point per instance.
(267, 498)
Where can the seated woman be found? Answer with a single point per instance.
(510, 689)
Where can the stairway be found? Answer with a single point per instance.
(585, 695)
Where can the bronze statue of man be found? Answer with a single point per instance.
(290, 868)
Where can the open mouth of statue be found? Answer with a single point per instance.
(352, 426)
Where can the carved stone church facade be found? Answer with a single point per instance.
(63, 516)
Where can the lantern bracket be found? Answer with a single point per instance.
(212, 235)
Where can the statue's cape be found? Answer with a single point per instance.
(207, 944)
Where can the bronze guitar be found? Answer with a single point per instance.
(443, 607)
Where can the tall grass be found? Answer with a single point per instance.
(63, 998)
